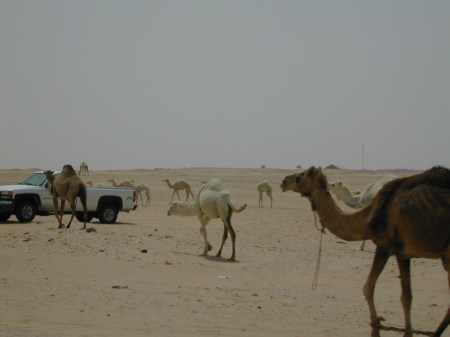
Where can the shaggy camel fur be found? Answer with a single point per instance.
(66, 186)
(357, 200)
(213, 201)
(125, 183)
(264, 187)
(83, 169)
(409, 217)
(179, 186)
(146, 189)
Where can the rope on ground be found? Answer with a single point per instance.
(391, 328)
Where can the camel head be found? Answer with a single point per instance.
(288, 183)
(173, 208)
(181, 208)
(50, 177)
(334, 186)
(310, 181)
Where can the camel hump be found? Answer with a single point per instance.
(68, 170)
(437, 176)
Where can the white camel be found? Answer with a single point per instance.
(354, 199)
(146, 189)
(213, 201)
(125, 183)
(179, 186)
(83, 169)
(262, 187)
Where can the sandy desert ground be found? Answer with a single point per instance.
(56, 283)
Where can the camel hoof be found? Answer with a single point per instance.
(209, 247)
(231, 259)
(61, 226)
(376, 322)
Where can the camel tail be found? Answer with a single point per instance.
(82, 194)
(237, 210)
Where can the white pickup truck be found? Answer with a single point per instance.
(31, 197)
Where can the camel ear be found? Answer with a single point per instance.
(311, 171)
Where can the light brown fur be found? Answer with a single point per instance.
(66, 186)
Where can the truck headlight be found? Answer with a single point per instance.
(6, 195)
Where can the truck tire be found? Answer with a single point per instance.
(4, 216)
(25, 211)
(108, 213)
(80, 216)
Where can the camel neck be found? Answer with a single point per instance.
(348, 197)
(347, 226)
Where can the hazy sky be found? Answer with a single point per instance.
(232, 83)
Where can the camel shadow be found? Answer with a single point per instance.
(117, 223)
(207, 257)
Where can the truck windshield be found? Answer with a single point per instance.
(36, 179)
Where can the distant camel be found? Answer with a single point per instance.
(264, 187)
(213, 201)
(146, 189)
(83, 169)
(179, 186)
(66, 186)
(90, 183)
(409, 218)
(125, 183)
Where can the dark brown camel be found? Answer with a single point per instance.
(67, 186)
(409, 217)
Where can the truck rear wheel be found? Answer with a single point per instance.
(80, 216)
(108, 213)
(25, 211)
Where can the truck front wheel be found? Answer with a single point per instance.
(4, 216)
(108, 214)
(25, 211)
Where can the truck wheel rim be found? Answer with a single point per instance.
(109, 215)
(27, 212)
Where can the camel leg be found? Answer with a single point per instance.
(204, 221)
(362, 245)
(445, 322)
(72, 207)
(404, 265)
(378, 264)
(172, 196)
(187, 194)
(61, 225)
(224, 238)
(269, 194)
(260, 200)
(233, 240)
(55, 204)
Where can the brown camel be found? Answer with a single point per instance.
(410, 217)
(67, 186)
